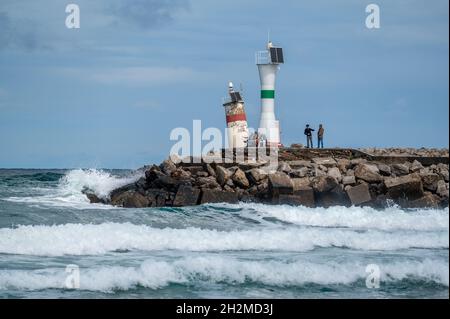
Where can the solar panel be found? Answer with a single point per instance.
(276, 55)
(273, 55)
(280, 55)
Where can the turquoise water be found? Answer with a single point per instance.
(210, 251)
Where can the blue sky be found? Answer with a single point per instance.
(108, 94)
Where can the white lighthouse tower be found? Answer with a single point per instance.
(237, 128)
(268, 62)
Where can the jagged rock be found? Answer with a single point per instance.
(263, 187)
(229, 183)
(428, 200)
(240, 179)
(318, 172)
(442, 189)
(186, 196)
(325, 161)
(228, 188)
(218, 196)
(443, 171)
(350, 172)
(384, 169)
(153, 172)
(299, 164)
(121, 190)
(194, 170)
(356, 161)
(167, 166)
(300, 183)
(335, 173)
(334, 197)
(301, 172)
(94, 199)
(323, 184)
(156, 197)
(280, 183)
(301, 197)
(222, 174)
(343, 164)
(368, 173)
(130, 199)
(416, 166)
(359, 194)
(348, 180)
(141, 183)
(400, 169)
(284, 167)
(181, 174)
(169, 183)
(409, 187)
(430, 181)
(207, 182)
(255, 175)
(202, 174)
(210, 170)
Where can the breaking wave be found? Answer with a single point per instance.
(89, 239)
(158, 274)
(69, 191)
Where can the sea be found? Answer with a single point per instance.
(55, 244)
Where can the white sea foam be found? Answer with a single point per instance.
(88, 239)
(215, 269)
(69, 191)
(392, 218)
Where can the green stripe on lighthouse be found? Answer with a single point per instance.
(267, 94)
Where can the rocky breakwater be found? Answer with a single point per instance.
(321, 181)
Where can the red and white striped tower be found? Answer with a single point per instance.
(237, 128)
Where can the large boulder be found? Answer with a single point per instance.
(186, 196)
(222, 175)
(210, 170)
(416, 166)
(334, 197)
(94, 199)
(368, 173)
(284, 167)
(167, 166)
(430, 181)
(348, 180)
(207, 182)
(280, 183)
(158, 197)
(323, 184)
(408, 187)
(428, 200)
(301, 197)
(300, 172)
(130, 199)
(255, 175)
(442, 189)
(384, 169)
(335, 173)
(325, 161)
(218, 196)
(240, 179)
(359, 194)
(400, 169)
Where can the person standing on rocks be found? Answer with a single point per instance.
(308, 133)
(320, 136)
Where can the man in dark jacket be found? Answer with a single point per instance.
(320, 133)
(308, 133)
